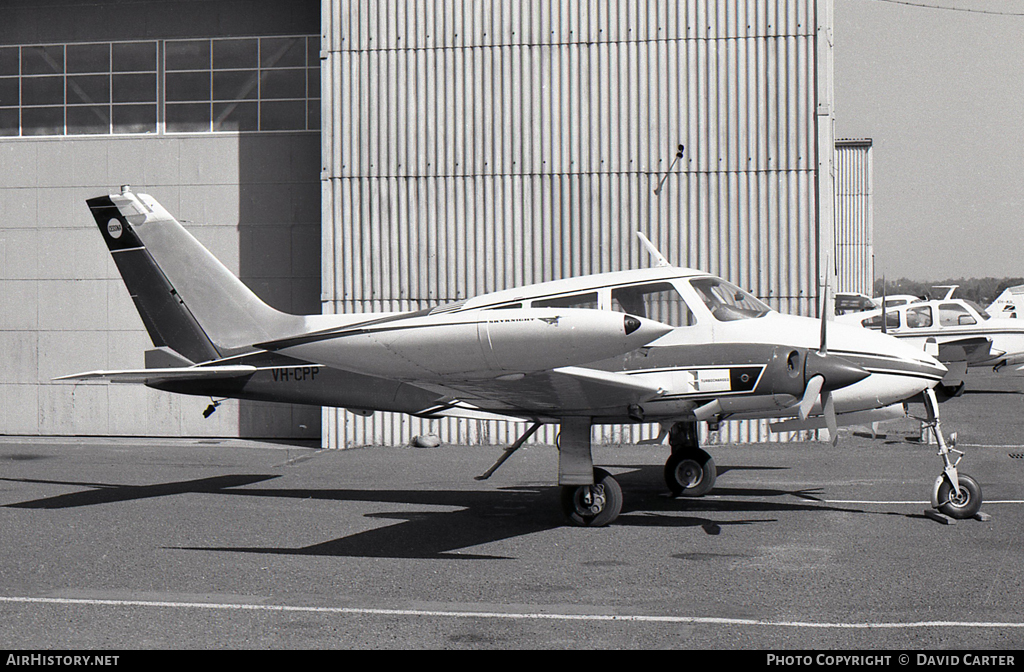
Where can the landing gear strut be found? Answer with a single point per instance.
(689, 471)
(954, 494)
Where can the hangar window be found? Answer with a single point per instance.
(243, 84)
(658, 301)
(76, 89)
(224, 84)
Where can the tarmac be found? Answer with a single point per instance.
(118, 543)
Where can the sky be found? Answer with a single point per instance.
(941, 94)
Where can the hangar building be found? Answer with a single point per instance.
(385, 155)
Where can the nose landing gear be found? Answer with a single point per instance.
(954, 494)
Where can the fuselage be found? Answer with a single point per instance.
(716, 343)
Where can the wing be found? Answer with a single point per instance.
(548, 393)
(971, 349)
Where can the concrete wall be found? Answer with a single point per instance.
(253, 199)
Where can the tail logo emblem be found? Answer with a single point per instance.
(114, 228)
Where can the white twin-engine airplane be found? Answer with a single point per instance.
(665, 344)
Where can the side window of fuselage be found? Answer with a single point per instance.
(953, 315)
(656, 301)
(587, 300)
(892, 321)
(919, 317)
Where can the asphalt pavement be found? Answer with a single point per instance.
(117, 543)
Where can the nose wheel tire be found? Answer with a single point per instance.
(690, 473)
(964, 505)
(594, 505)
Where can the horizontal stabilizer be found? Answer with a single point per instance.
(154, 375)
(843, 419)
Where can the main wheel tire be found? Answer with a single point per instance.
(964, 505)
(605, 504)
(690, 473)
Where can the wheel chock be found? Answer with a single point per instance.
(940, 517)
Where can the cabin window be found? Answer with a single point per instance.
(919, 317)
(726, 301)
(892, 321)
(954, 315)
(587, 300)
(658, 301)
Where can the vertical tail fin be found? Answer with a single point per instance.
(188, 300)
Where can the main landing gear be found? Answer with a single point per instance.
(594, 505)
(689, 471)
(954, 494)
(592, 497)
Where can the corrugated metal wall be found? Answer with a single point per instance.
(854, 224)
(474, 145)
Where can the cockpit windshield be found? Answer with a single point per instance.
(728, 302)
(981, 311)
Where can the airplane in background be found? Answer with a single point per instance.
(664, 344)
(855, 302)
(1009, 304)
(958, 332)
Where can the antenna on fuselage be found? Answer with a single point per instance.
(659, 258)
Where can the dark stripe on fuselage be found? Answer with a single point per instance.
(734, 356)
(357, 329)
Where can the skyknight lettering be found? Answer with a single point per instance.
(297, 374)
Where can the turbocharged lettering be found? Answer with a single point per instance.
(296, 374)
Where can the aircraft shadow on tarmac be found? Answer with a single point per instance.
(480, 516)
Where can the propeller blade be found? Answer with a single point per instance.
(823, 349)
(811, 393)
(828, 408)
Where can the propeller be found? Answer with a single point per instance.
(824, 374)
